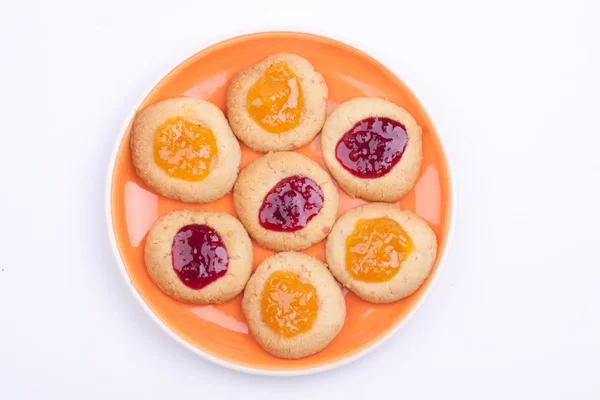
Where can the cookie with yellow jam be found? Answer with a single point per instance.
(381, 253)
(280, 103)
(184, 149)
(293, 306)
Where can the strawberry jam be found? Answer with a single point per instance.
(199, 255)
(372, 147)
(291, 204)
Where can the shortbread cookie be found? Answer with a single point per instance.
(286, 201)
(184, 149)
(293, 306)
(277, 104)
(199, 257)
(381, 253)
(372, 148)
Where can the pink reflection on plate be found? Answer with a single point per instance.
(331, 105)
(206, 88)
(367, 313)
(367, 89)
(211, 314)
(315, 146)
(141, 210)
(427, 195)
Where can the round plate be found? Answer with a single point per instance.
(219, 332)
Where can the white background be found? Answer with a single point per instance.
(514, 88)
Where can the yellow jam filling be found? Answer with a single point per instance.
(289, 306)
(275, 100)
(184, 150)
(376, 248)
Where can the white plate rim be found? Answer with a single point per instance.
(237, 367)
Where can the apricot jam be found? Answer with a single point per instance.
(372, 147)
(289, 306)
(199, 255)
(376, 248)
(275, 99)
(291, 204)
(184, 150)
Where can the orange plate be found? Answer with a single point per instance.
(219, 332)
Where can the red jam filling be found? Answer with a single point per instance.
(372, 147)
(199, 255)
(291, 204)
